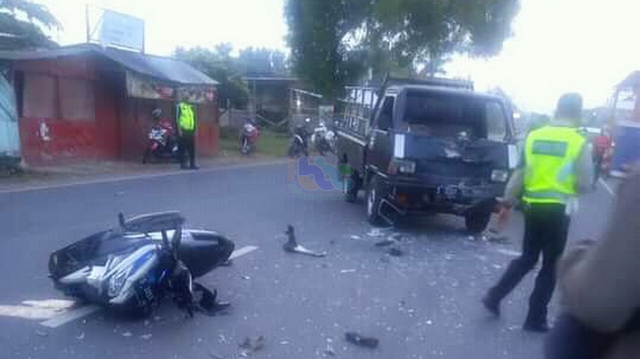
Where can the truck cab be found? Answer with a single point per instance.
(432, 146)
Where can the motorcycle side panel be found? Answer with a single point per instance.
(202, 251)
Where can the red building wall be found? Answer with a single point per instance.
(115, 128)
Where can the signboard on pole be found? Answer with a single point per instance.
(111, 28)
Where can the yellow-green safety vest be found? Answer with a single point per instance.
(551, 156)
(187, 119)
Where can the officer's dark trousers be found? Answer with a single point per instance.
(187, 146)
(546, 227)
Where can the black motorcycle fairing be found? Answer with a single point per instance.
(201, 251)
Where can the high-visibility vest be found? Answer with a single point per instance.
(551, 157)
(187, 119)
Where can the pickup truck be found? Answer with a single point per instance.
(426, 146)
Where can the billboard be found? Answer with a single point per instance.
(117, 29)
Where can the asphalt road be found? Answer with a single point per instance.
(423, 304)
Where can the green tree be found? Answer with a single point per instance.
(221, 66)
(22, 23)
(334, 42)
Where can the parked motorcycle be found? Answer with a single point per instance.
(145, 258)
(161, 147)
(300, 141)
(249, 136)
(323, 139)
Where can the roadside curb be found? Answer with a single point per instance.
(18, 188)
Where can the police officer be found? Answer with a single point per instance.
(186, 119)
(555, 167)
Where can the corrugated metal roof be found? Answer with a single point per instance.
(162, 68)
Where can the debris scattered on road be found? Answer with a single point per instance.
(499, 239)
(80, 337)
(355, 237)
(214, 355)
(385, 242)
(429, 322)
(222, 339)
(396, 252)
(329, 351)
(252, 345)
(360, 340)
(246, 277)
(42, 333)
(375, 232)
(284, 342)
(292, 245)
(343, 271)
(127, 334)
(146, 336)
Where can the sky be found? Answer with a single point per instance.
(586, 46)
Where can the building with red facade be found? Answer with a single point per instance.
(86, 102)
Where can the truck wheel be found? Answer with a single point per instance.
(373, 200)
(477, 222)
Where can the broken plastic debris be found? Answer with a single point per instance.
(347, 270)
(360, 340)
(292, 245)
(146, 336)
(246, 277)
(355, 237)
(215, 355)
(42, 333)
(252, 345)
(80, 337)
(396, 252)
(127, 334)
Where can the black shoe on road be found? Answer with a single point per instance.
(535, 327)
(492, 306)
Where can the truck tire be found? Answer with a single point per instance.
(373, 200)
(477, 222)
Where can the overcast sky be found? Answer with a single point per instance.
(558, 45)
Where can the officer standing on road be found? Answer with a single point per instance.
(555, 167)
(187, 123)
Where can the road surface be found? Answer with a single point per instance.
(423, 304)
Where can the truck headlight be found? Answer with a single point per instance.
(499, 175)
(401, 166)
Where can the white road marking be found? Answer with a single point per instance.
(56, 312)
(607, 187)
(36, 309)
(508, 252)
(135, 177)
(70, 316)
(242, 251)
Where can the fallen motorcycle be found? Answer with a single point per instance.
(132, 267)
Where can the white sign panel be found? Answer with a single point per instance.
(121, 30)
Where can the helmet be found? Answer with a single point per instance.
(156, 113)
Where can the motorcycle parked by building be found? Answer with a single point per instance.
(323, 139)
(300, 141)
(162, 145)
(249, 135)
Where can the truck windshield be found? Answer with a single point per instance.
(450, 115)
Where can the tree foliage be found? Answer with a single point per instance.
(333, 42)
(219, 64)
(22, 23)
